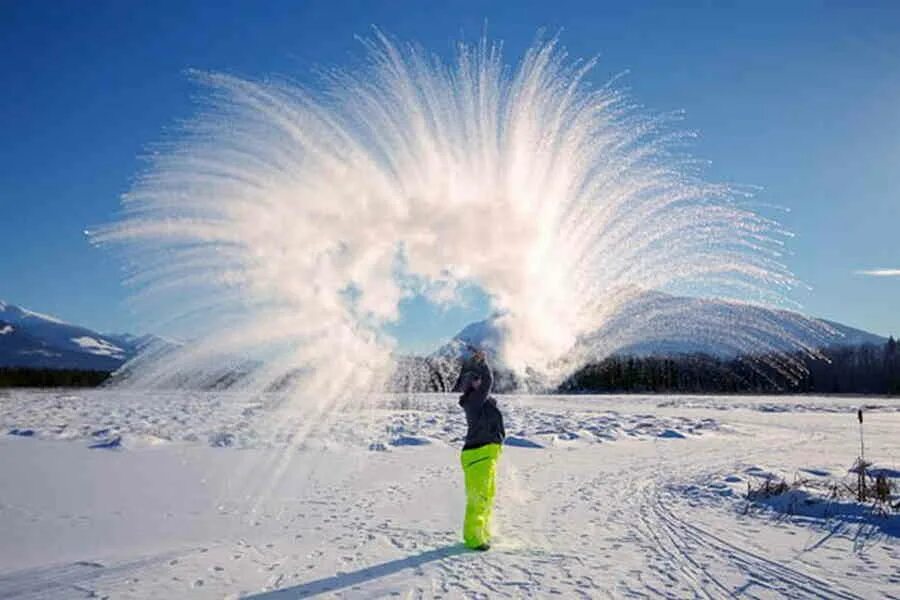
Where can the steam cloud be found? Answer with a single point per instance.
(284, 226)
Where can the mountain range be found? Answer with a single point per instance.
(33, 340)
(658, 324)
(667, 325)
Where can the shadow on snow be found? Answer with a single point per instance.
(860, 522)
(346, 580)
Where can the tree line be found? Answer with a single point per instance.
(43, 378)
(864, 369)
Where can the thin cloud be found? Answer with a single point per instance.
(880, 272)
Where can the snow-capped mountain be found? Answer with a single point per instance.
(34, 340)
(666, 325)
(661, 324)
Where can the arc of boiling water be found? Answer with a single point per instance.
(287, 224)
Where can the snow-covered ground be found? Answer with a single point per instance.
(136, 495)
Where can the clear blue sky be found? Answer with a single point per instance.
(799, 98)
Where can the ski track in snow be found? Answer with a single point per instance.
(606, 503)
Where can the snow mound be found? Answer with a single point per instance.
(21, 432)
(809, 497)
(784, 404)
(230, 421)
(671, 434)
(110, 443)
(409, 440)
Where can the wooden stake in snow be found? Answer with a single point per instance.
(861, 465)
(862, 449)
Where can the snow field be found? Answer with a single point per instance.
(614, 496)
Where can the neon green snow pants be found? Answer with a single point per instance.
(480, 468)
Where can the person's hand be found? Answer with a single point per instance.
(476, 383)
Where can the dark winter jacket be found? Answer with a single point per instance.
(484, 420)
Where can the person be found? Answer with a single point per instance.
(481, 451)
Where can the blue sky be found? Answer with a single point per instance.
(799, 98)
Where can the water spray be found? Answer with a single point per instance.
(285, 225)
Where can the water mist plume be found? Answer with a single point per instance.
(286, 224)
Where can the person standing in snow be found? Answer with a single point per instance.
(484, 440)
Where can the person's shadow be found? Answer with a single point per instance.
(345, 580)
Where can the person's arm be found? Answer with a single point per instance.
(487, 379)
(458, 386)
(479, 391)
(464, 381)
(466, 374)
